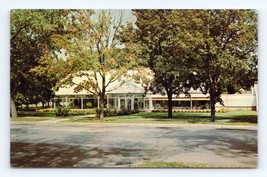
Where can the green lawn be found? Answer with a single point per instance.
(174, 165)
(229, 118)
(35, 114)
(29, 119)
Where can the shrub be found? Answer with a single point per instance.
(72, 112)
(189, 110)
(76, 112)
(124, 111)
(46, 110)
(62, 111)
(114, 112)
(107, 112)
(89, 104)
(110, 112)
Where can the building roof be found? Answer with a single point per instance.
(126, 87)
(126, 84)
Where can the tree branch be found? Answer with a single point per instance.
(15, 35)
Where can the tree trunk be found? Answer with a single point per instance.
(102, 98)
(101, 107)
(169, 104)
(13, 108)
(212, 103)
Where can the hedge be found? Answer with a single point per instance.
(190, 111)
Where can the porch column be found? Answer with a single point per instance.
(191, 105)
(132, 103)
(119, 103)
(81, 102)
(150, 103)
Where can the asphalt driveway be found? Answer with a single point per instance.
(122, 145)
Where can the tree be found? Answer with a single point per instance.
(162, 51)
(93, 51)
(211, 50)
(223, 47)
(31, 32)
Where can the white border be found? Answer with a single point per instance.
(6, 5)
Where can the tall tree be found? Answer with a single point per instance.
(224, 49)
(206, 49)
(31, 32)
(93, 51)
(162, 51)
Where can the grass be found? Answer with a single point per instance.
(229, 118)
(173, 165)
(29, 119)
(35, 114)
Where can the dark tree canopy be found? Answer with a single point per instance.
(31, 33)
(224, 50)
(212, 50)
(93, 51)
(162, 51)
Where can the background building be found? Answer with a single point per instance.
(128, 94)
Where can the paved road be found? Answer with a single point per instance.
(122, 145)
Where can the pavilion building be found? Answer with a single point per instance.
(128, 94)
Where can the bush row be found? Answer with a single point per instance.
(47, 110)
(63, 111)
(86, 111)
(114, 112)
(190, 111)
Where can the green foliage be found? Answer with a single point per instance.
(206, 49)
(162, 50)
(243, 118)
(190, 111)
(174, 165)
(72, 112)
(214, 50)
(114, 112)
(36, 114)
(89, 104)
(107, 112)
(92, 50)
(62, 112)
(29, 119)
(224, 52)
(124, 111)
(31, 32)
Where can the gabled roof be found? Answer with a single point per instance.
(126, 87)
(70, 91)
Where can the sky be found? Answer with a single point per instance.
(6, 5)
